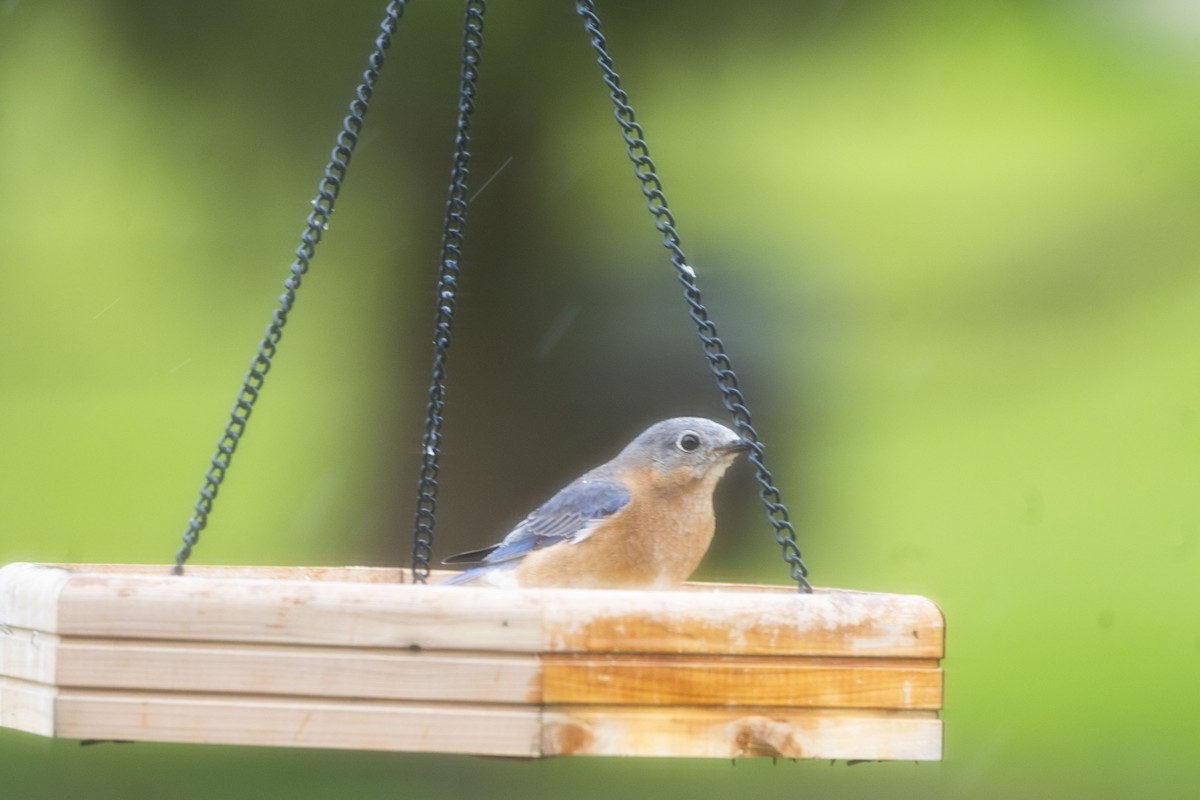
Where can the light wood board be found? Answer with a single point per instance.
(354, 658)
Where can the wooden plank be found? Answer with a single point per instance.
(334, 613)
(826, 623)
(344, 613)
(237, 655)
(720, 681)
(297, 722)
(517, 731)
(26, 706)
(29, 595)
(482, 677)
(261, 572)
(737, 733)
(284, 670)
(28, 655)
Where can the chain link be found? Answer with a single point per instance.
(314, 227)
(447, 290)
(714, 348)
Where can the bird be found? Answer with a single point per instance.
(644, 520)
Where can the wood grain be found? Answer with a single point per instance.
(29, 595)
(738, 733)
(299, 722)
(830, 623)
(701, 681)
(325, 671)
(26, 706)
(350, 657)
(335, 613)
(372, 614)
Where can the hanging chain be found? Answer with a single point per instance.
(714, 348)
(315, 225)
(447, 289)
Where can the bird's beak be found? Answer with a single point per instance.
(740, 446)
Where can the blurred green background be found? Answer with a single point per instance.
(952, 247)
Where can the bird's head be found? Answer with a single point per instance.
(697, 447)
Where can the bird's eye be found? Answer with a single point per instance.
(688, 442)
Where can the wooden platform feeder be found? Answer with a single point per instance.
(354, 658)
(360, 658)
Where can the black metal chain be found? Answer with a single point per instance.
(314, 226)
(714, 348)
(447, 289)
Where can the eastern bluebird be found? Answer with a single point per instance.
(643, 520)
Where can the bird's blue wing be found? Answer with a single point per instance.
(569, 516)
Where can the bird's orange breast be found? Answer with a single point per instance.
(656, 541)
